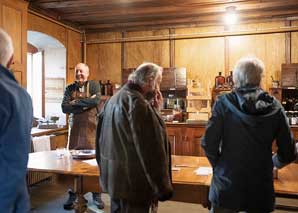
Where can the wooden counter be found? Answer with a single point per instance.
(186, 138)
(35, 132)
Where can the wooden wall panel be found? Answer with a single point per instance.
(36, 23)
(104, 61)
(199, 30)
(269, 48)
(74, 54)
(108, 35)
(203, 58)
(14, 22)
(258, 26)
(294, 44)
(92, 59)
(150, 51)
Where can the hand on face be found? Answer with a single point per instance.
(157, 99)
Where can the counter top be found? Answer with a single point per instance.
(203, 124)
(39, 132)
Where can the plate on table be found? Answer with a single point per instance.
(83, 154)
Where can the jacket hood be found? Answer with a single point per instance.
(252, 105)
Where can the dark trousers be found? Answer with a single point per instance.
(215, 209)
(124, 206)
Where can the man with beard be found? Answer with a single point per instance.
(133, 152)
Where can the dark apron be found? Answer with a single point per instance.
(83, 130)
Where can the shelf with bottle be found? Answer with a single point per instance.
(106, 89)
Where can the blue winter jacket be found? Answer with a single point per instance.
(15, 136)
(238, 143)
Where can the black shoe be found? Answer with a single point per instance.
(69, 204)
(97, 200)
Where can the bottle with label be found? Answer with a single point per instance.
(219, 81)
(229, 80)
(109, 88)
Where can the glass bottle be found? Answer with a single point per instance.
(229, 80)
(109, 88)
(103, 88)
(219, 81)
(170, 101)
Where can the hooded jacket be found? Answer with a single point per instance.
(133, 152)
(238, 143)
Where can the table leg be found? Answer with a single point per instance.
(80, 203)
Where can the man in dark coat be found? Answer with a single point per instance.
(238, 143)
(132, 148)
(82, 101)
(15, 134)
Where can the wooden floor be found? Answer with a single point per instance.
(48, 197)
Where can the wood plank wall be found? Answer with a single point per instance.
(69, 38)
(203, 57)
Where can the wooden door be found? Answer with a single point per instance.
(174, 134)
(13, 19)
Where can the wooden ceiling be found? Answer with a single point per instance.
(118, 15)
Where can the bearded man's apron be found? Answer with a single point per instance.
(83, 125)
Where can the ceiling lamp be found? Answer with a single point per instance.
(230, 16)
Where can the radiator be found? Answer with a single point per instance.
(37, 177)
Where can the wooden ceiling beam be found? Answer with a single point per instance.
(151, 12)
(210, 20)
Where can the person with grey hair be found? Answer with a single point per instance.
(133, 152)
(82, 102)
(238, 144)
(16, 115)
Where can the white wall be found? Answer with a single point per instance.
(55, 67)
(55, 62)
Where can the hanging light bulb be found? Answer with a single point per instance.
(230, 16)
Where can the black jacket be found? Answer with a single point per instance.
(238, 143)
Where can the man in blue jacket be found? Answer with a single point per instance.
(238, 143)
(15, 134)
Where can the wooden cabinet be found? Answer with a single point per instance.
(13, 19)
(295, 132)
(186, 139)
(289, 75)
(173, 78)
